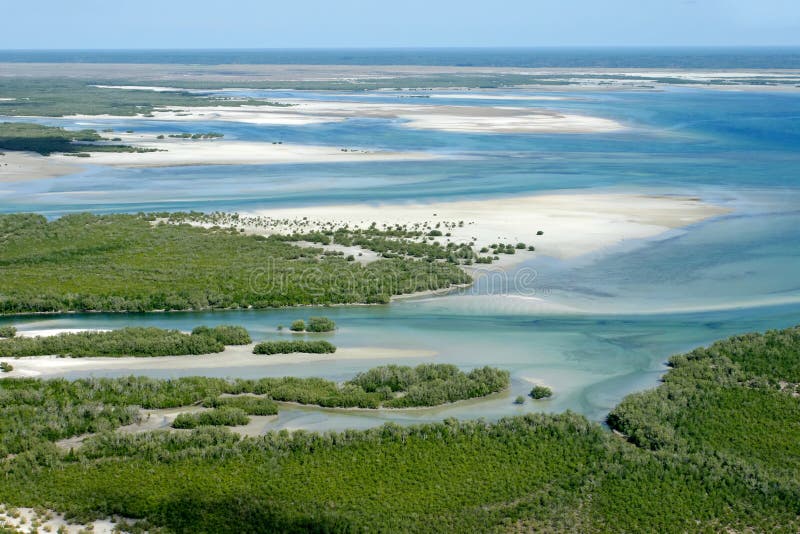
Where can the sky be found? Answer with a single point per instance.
(91, 24)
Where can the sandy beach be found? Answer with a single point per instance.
(21, 166)
(172, 152)
(231, 357)
(496, 119)
(573, 224)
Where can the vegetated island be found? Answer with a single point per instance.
(716, 446)
(314, 325)
(290, 347)
(37, 412)
(130, 341)
(45, 140)
(62, 96)
(145, 262)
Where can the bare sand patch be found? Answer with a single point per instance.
(22, 166)
(573, 224)
(181, 152)
(486, 119)
(232, 357)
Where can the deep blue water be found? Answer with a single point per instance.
(631, 57)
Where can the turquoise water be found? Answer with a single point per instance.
(640, 301)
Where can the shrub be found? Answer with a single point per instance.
(225, 416)
(520, 246)
(541, 392)
(6, 367)
(8, 331)
(130, 341)
(539, 233)
(320, 324)
(298, 326)
(249, 404)
(288, 347)
(519, 400)
(225, 334)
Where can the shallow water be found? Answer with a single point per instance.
(639, 302)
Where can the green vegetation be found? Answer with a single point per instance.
(519, 400)
(135, 263)
(6, 367)
(225, 334)
(132, 341)
(8, 331)
(48, 139)
(249, 404)
(209, 135)
(733, 398)
(34, 413)
(393, 242)
(320, 324)
(57, 97)
(715, 448)
(298, 326)
(288, 347)
(225, 416)
(430, 384)
(540, 392)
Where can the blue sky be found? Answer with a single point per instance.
(397, 23)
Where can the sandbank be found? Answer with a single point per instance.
(22, 166)
(171, 152)
(573, 224)
(486, 119)
(231, 357)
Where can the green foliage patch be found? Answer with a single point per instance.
(132, 263)
(48, 139)
(714, 448)
(225, 416)
(289, 347)
(130, 341)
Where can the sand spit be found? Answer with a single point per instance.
(231, 357)
(476, 119)
(22, 166)
(573, 224)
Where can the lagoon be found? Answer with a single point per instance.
(633, 305)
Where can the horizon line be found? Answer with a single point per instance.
(419, 48)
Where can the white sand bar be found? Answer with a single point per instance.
(21, 166)
(182, 152)
(573, 223)
(486, 119)
(231, 357)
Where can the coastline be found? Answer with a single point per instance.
(232, 356)
(573, 224)
(17, 166)
(452, 118)
(187, 152)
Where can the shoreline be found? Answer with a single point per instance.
(171, 152)
(444, 117)
(573, 224)
(18, 166)
(234, 356)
